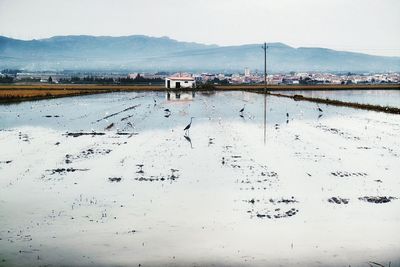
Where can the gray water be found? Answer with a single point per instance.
(389, 98)
(223, 194)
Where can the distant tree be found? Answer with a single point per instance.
(6, 79)
(75, 79)
(50, 80)
(205, 86)
(11, 72)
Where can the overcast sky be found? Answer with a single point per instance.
(369, 26)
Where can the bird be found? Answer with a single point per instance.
(140, 168)
(189, 140)
(320, 110)
(241, 111)
(287, 115)
(167, 110)
(188, 126)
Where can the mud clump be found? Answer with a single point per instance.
(278, 215)
(66, 170)
(115, 179)
(126, 133)
(86, 154)
(377, 199)
(338, 200)
(51, 116)
(284, 200)
(157, 179)
(84, 134)
(348, 174)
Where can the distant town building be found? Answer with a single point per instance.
(247, 72)
(132, 75)
(180, 82)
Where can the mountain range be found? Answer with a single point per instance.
(144, 53)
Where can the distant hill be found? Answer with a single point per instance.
(143, 53)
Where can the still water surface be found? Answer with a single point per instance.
(142, 191)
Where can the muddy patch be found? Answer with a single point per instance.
(277, 213)
(348, 174)
(23, 137)
(84, 134)
(65, 170)
(338, 200)
(114, 179)
(377, 199)
(273, 208)
(51, 116)
(339, 132)
(85, 154)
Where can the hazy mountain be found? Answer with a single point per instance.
(143, 53)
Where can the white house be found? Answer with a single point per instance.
(180, 82)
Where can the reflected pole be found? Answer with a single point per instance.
(265, 92)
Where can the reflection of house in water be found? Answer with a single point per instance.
(180, 96)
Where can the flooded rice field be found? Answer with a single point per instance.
(114, 180)
(384, 98)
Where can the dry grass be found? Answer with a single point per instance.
(81, 87)
(32, 94)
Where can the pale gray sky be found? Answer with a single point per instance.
(369, 26)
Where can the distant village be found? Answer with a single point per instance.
(245, 77)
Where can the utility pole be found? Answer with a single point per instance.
(265, 91)
(265, 47)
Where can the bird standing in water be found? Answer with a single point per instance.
(241, 111)
(188, 126)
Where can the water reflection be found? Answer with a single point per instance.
(83, 113)
(148, 196)
(374, 97)
(189, 140)
(180, 95)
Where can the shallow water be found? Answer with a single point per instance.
(389, 98)
(143, 193)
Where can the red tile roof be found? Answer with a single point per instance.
(181, 78)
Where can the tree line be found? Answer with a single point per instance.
(109, 80)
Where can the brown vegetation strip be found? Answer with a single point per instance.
(391, 110)
(9, 96)
(216, 87)
(81, 87)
